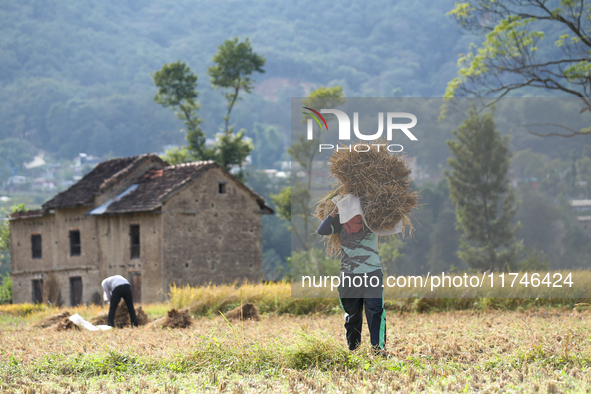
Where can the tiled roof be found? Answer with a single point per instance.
(28, 214)
(152, 189)
(146, 194)
(155, 185)
(103, 175)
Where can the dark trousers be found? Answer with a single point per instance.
(121, 291)
(353, 298)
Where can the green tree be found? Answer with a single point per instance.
(303, 153)
(480, 189)
(235, 63)
(232, 149)
(293, 203)
(5, 225)
(282, 201)
(528, 44)
(389, 252)
(436, 198)
(5, 236)
(5, 289)
(444, 242)
(177, 155)
(177, 89)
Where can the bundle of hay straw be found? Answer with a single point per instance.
(53, 319)
(380, 179)
(175, 318)
(248, 311)
(121, 317)
(65, 325)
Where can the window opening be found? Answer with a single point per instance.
(36, 246)
(75, 248)
(134, 234)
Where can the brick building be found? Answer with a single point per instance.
(138, 217)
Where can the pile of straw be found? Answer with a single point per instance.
(121, 317)
(380, 179)
(52, 320)
(178, 319)
(248, 311)
(175, 318)
(65, 325)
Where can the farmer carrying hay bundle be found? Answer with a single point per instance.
(371, 197)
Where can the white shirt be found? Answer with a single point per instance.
(111, 282)
(350, 206)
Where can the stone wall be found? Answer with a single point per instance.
(209, 236)
(105, 251)
(115, 246)
(54, 229)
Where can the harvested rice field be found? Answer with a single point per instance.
(535, 350)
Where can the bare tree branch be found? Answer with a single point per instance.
(572, 131)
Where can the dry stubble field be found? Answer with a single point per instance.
(529, 351)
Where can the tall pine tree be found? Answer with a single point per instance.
(480, 189)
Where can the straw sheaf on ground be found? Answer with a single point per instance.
(382, 183)
(174, 319)
(533, 350)
(52, 319)
(65, 324)
(248, 311)
(58, 321)
(121, 317)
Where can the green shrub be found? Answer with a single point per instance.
(5, 289)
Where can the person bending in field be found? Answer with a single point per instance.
(117, 287)
(359, 258)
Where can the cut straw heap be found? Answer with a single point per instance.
(380, 180)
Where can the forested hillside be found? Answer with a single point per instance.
(75, 76)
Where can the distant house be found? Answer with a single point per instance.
(583, 221)
(18, 180)
(139, 217)
(580, 205)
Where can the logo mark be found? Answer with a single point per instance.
(345, 124)
(310, 134)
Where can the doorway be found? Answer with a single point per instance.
(75, 291)
(37, 291)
